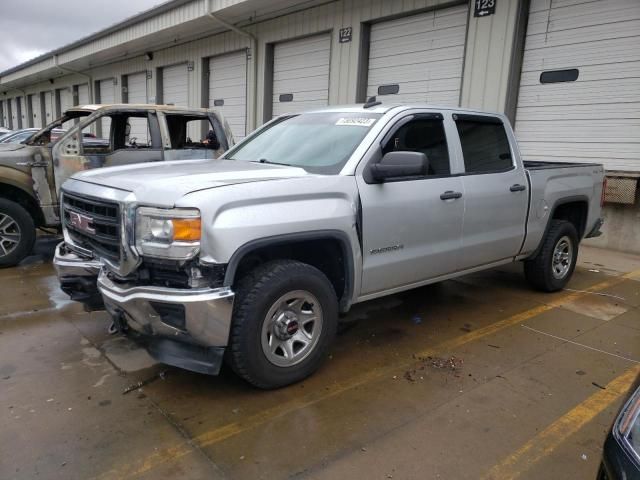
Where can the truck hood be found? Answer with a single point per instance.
(163, 183)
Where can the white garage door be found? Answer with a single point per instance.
(137, 88)
(418, 58)
(83, 94)
(36, 110)
(301, 74)
(107, 91)
(66, 102)
(175, 85)
(596, 116)
(228, 90)
(49, 110)
(16, 113)
(137, 93)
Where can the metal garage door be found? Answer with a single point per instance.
(16, 111)
(49, 108)
(418, 58)
(107, 91)
(66, 102)
(83, 94)
(9, 114)
(36, 110)
(228, 90)
(596, 117)
(137, 93)
(137, 88)
(175, 85)
(301, 74)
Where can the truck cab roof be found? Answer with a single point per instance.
(91, 108)
(400, 107)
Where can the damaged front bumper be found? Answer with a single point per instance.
(187, 328)
(78, 276)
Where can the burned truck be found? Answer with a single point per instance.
(96, 136)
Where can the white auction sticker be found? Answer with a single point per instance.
(355, 121)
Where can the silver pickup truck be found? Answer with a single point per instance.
(252, 257)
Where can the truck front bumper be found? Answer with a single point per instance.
(78, 276)
(187, 328)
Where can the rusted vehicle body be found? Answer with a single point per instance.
(97, 136)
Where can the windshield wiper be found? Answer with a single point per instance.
(264, 160)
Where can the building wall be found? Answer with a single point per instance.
(486, 70)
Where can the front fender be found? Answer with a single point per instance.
(238, 215)
(18, 179)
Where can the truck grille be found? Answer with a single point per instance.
(93, 224)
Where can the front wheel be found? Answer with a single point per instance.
(284, 321)
(551, 269)
(17, 233)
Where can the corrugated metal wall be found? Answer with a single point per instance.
(485, 74)
(596, 117)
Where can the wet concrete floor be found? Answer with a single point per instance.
(475, 378)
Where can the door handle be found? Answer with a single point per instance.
(517, 188)
(450, 195)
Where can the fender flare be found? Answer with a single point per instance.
(338, 235)
(17, 179)
(559, 203)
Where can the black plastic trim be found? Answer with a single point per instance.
(469, 117)
(343, 239)
(559, 203)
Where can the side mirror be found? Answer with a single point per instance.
(399, 165)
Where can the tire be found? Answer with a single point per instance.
(17, 233)
(549, 275)
(272, 317)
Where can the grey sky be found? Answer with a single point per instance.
(32, 27)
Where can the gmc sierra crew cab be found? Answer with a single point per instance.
(31, 173)
(251, 257)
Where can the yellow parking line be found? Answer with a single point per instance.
(226, 431)
(555, 434)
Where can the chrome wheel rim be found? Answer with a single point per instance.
(9, 235)
(292, 328)
(562, 258)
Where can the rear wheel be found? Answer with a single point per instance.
(17, 233)
(285, 318)
(551, 269)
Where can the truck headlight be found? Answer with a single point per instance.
(168, 233)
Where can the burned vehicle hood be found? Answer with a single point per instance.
(163, 183)
(11, 147)
(20, 157)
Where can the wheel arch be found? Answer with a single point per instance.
(328, 250)
(10, 191)
(574, 209)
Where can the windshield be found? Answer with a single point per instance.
(317, 142)
(52, 132)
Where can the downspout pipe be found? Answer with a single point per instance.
(254, 59)
(70, 71)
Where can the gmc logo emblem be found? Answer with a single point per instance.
(81, 222)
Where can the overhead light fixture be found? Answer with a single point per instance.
(148, 56)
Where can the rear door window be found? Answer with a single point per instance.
(485, 145)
